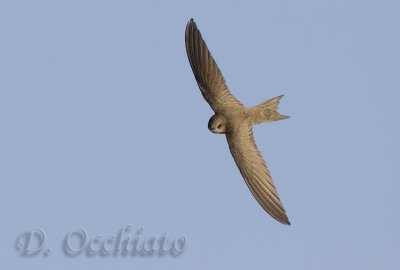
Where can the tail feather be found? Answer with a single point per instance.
(267, 111)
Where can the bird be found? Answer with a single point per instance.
(236, 121)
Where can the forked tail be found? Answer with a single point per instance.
(266, 111)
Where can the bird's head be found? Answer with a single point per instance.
(217, 124)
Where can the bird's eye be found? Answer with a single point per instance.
(220, 125)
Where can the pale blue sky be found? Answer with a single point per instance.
(102, 125)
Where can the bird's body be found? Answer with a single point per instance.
(235, 121)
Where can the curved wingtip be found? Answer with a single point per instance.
(191, 21)
(282, 219)
(287, 223)
(189, 27)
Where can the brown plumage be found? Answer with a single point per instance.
(235, 121)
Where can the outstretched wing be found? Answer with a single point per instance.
(207, 74)
(254, 171)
